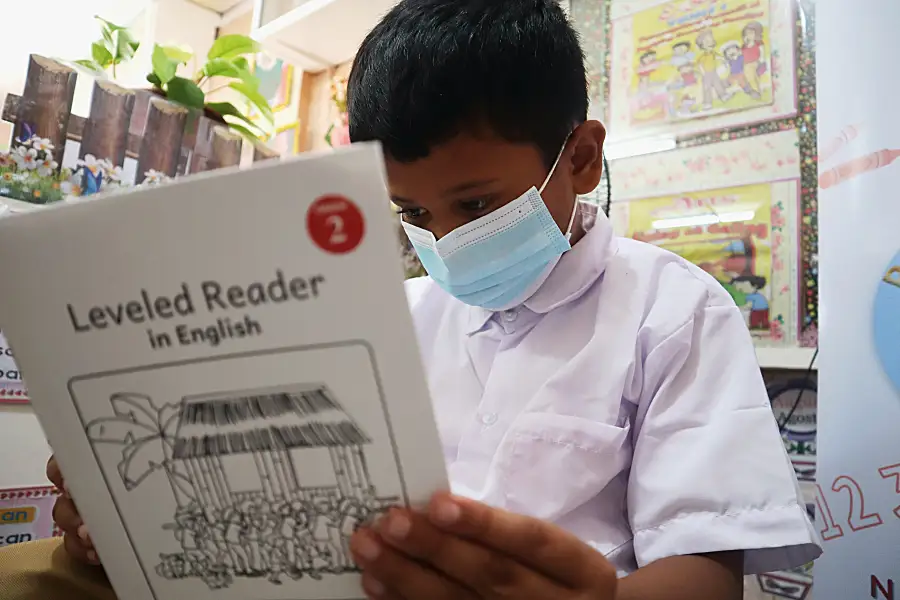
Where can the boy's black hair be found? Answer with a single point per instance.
(757, 281)
(684, 43)
(648, 54)
(433, 68)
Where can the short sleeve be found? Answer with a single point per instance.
(710, 472)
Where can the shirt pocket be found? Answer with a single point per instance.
(550, 464)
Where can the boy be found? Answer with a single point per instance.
(600, 407)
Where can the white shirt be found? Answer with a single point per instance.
(623, 402)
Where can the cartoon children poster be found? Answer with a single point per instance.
(697, 58)
(726, 232)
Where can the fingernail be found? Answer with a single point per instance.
(92, 556)
(83, 534)
(446, 512)
(398, 525)
(366, 547)
(372, 586)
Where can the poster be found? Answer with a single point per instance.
(12, 388)
(736, 235)
(682, 67)
(26, 514)
(858, 470)
(698, 59)
(275, 80)
(286, 141)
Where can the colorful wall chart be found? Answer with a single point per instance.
(26, 514)
(686, 66)
(12, 388)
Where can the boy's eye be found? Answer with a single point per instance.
(475, 205)
(411, 214)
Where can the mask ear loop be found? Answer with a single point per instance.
(550, 176)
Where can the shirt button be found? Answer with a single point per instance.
(488, 419)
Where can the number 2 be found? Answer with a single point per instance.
(337, 230)
(856, 515)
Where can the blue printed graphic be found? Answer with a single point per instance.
(887, 321)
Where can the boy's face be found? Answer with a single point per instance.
(731, 53)
(680, 50)
(474, 174)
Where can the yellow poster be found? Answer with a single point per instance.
(696, 58)
(726, 232)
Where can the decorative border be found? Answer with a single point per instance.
(24, 493)
(594, 23)
(295, 125)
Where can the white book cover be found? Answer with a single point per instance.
(228, 374)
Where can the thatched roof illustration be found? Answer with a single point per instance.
(223, 424)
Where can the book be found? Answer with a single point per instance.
(227, 371)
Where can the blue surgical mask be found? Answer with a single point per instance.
(499, 260)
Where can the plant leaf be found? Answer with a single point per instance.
(245, 132)
(91, 67)
(101, 55)
(186, 92)
(164, 68)
(232, 46)
(154, 79)
(227, 109)
(255, 98)
(180, 54)
(126, 46)
(223, 67)
(241, 63)
(112, 26)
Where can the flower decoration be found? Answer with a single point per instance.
(29, 172)
(339, 132)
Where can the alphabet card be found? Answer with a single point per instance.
(227, 371)
(12, 388)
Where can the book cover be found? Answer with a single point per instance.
(227, 371)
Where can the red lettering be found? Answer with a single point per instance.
(857, 519)
(887, 473)
(832, 530)
(877, 590)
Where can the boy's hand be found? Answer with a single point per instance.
(464, 550)
(77, 541)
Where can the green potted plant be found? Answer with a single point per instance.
(227, 66)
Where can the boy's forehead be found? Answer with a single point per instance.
(463, 163)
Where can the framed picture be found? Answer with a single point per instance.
(286, 140)
(276, 80)
(742, 228)
(680, 68)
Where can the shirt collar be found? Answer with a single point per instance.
(577, 270)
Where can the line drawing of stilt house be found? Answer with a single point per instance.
(280, 430)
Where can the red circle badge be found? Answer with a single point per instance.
(335, 224)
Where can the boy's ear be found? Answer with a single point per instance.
(587, 156)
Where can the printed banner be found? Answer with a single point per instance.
(858, 468)
(734, 234)
(26, 514)
(684, 66)
(12, 388)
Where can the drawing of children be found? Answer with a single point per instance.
(751, 286)
(708, 63)
(735, 59)
(681, 55)
(648, 65)
(754, 63)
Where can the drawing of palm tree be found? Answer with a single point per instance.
(146, 434)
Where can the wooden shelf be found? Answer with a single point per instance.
(319, 34)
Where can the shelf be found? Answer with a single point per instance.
(786, 358)
(318, 34)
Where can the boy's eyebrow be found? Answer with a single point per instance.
(467, 186)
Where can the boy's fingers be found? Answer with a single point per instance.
(78, 551)
(66, 516)
(54, 474)
(542, 546)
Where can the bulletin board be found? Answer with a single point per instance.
(616, 34)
